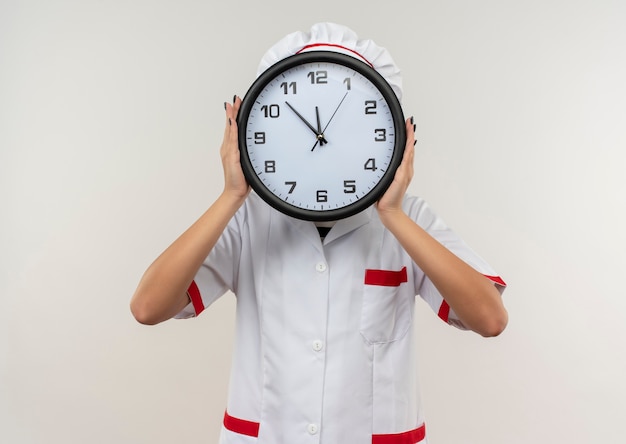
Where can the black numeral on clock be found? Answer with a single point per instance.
(370, 107)
(370, 164)
(259, 138)
(322, 195)
(318, 77)
(272, 111)
(381, 135)
(292, 186)
(270, 166)
(349, 186)
(288, 86)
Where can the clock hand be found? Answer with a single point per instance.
(336, 109)
(320, 135)
(328, 123)
(317, 115)
(303, 119)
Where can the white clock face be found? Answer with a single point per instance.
(320, 136)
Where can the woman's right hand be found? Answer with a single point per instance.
(161, 292)
(235, 183)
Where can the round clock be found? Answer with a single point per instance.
(321, 135)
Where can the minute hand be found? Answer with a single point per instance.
(303, 119)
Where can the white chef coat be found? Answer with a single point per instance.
(323, 350)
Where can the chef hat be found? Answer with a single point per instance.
(337, 38)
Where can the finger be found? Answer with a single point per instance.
(231, 110)
(409, 147)
(236, 105)
(410, 131)
(405, 169)
(410, 142)
(230, 124)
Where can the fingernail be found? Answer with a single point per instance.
(230, 122)
(234, 98)
(412, 119)
(224, 105)
(414, 142)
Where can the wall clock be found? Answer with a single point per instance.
(321, 135)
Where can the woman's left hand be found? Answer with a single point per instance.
(391, 201)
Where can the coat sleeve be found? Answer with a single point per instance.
(218, 272)
(423, 215)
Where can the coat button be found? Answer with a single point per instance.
(312, 429)
(318, 345)
(321, 267)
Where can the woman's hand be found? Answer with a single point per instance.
(235, 183)
(162, 291)
(473, 297)
(391, 202)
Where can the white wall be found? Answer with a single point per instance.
(110, 120)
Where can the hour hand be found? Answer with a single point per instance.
(320, 133)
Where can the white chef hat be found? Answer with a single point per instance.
(337, 38)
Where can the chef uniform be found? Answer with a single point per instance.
(324, 350)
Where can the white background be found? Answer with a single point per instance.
(111, 115)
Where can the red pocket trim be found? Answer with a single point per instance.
(241, 426)
(411, 437)
(386, 278)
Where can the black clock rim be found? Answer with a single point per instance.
(327, 57)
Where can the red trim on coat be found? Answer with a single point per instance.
(444, 312)
(497, 279)
(334, 45)
(385, 278)
(196, 299)
(410, 437)
(250, 428)
(444, 309)
(241, 426)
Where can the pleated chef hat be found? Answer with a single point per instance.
(337, 38)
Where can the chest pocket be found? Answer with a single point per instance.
(387, 307)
